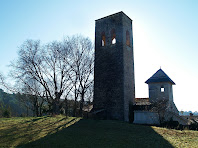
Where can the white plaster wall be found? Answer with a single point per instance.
(146, 117)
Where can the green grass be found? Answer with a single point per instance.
(75, 132)
(21, 130)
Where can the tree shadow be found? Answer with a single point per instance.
(102, 133)
(43, 118)
(31, 129)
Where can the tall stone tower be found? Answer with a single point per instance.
(114, 85)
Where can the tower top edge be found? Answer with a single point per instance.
(115, 14)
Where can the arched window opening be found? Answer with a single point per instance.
(127, 38)
(103, 39)
(113, 36)
(113, 41)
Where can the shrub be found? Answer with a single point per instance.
(193, 126)
(175, 125)
(171, 124)
(5, 110)
(7, 113)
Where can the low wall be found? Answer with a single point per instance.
(146, 117)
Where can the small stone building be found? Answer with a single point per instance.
(160, 102)
(160, 89)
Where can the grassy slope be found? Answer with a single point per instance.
(51, 132)
(20, 130)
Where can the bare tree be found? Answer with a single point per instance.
(81, 62)
(54, 71)
(28, 94)
(32, 96)
(43, 66)
(161, 107)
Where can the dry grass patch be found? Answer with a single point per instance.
(180, 139)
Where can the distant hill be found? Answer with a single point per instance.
(187, 113)
(10, 100)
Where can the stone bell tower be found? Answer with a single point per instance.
(114, 85)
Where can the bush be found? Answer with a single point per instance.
(193, 126)
(5, 110)
(175, 125)
(6, 113)
(171, 124)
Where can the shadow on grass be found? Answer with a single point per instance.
(101, 134)
(62, 126)
(35, 119)
(39, 118)
(15, 129)
(21, 130)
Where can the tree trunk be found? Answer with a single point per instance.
(27, 111)
(66, 107)
(75, 103)
(81, 103)
(41, 109)
(56, 105)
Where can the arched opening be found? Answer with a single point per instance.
(103, 39)
(127, 38)
(113, 36)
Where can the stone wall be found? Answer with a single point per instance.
(155, 93)
(114, 85)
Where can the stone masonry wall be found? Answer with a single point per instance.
(113, 71)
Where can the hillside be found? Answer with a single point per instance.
(11, 101)
(75, 132)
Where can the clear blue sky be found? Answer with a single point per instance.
(165, 34)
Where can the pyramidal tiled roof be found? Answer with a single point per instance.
(159, 76)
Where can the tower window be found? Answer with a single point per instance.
(127, 38)
(162, 89)
(103, 39)
(114, 41)
(113, 36)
